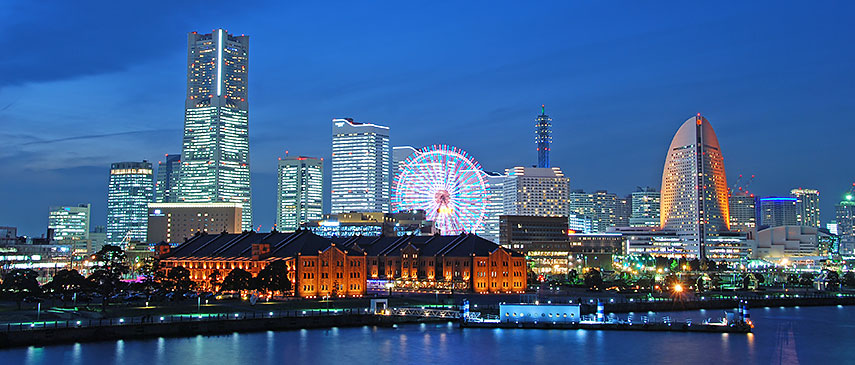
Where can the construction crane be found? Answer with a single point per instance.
(738, 186)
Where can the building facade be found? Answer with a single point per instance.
(361, 167)
(645, 208)
(399, 157)
(129, 193)
(168, 178)
(694, 201)
(69, 225)
(341, 267)
(807, 207)
(372, 224)
(495, 205)
(177, 222)
(215, 148)
(300, 193)
(536, 191)
(516, 230)
(844, 214)
(778, 211)
(743, 211)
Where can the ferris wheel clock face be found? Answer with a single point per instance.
(447, 184)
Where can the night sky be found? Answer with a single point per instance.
(87, 84)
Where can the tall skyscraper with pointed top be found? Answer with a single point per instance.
(215, 153)
(543, 137)
(694, 200)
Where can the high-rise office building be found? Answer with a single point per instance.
(694, 200)
(534, 191)
(645, 208)
(399, 156)
(69, 223)
(605, 209)
(166, 186)
(778, 211)
(495, 205)
(361, 167)
(543, 137)
(844, 214)
(807, 207)
(743, 211)
(299, 198)
(128, 195)
(215, 148)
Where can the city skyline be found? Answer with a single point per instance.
(744, 121)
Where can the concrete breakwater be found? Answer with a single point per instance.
(72, 331)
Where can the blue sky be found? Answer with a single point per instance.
(90, 83)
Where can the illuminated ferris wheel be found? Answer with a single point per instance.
(447, 184)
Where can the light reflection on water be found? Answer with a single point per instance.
(808, 334)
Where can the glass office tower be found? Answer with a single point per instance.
(299, 197)
(129, 192)
(215, 148)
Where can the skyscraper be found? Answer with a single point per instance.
(215, 148)
(129, 193)
(778, 211)
(604, 209)
(535, 191)
(361, 167)
(844, 214)
(399, 156)
(694, 199)
(299, 197)
(494, 207)
(807, 207)
(645, 208)
(743, 211)
(543, 137)
(166, 186)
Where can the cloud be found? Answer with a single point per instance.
(96, 136)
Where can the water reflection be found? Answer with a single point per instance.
(780, 334)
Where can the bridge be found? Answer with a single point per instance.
(425, 312)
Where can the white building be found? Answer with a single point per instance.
(495, 206)
(536, 191)
(787, 241)
(70, 226)
(399, 156)
(694, 201)
(361, 167)
(299, 197)
(215, 148)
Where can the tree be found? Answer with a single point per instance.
(793, 279)
(66, 282)
(274, 277)
(105, 284)
(20, 283)
(215, 279)
(806, 279)
(832, 280)
(113, 259)
(237, 279)
(849, 279)
(699, 285)
(593, 279)
(178, 280)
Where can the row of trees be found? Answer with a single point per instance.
(110, 267)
